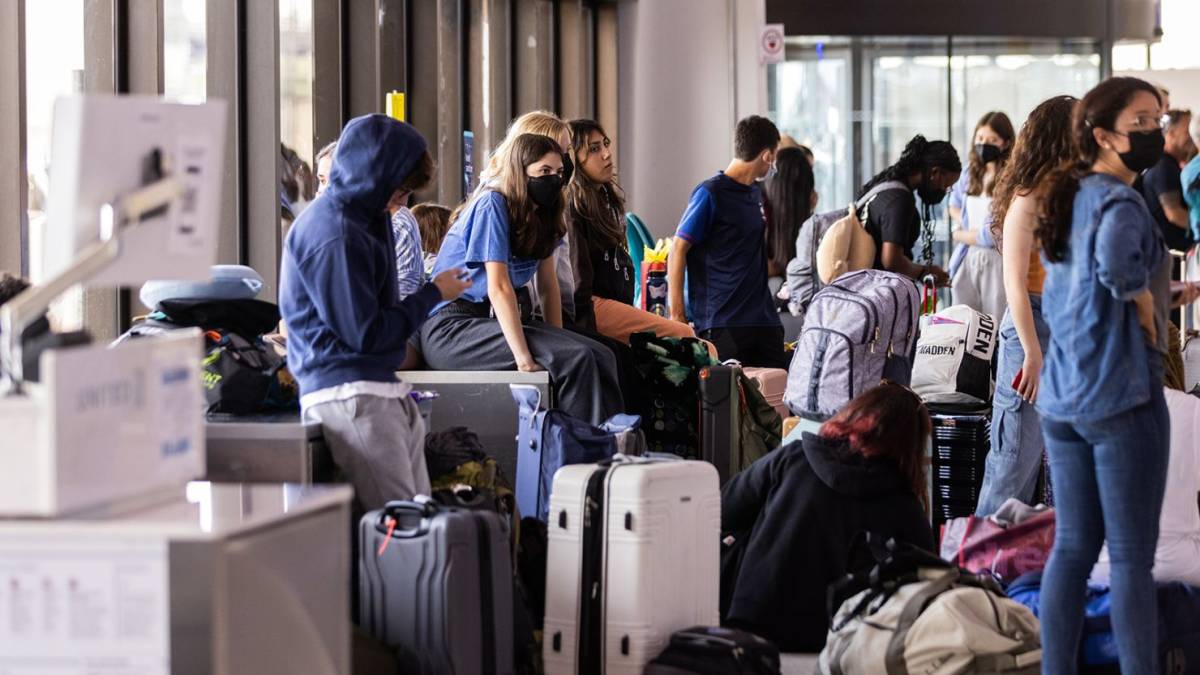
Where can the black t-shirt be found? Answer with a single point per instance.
(1162, 179)
(893, 217)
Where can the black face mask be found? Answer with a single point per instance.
(988, 153)
(1145, 149)
(929, 194)
(568, 168)
(545, 191)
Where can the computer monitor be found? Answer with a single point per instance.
(106, 147)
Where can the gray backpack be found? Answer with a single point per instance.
(802, 280)
(858, 330)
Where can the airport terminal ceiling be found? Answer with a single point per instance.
(1099, 19)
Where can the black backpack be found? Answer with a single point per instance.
(241, 374)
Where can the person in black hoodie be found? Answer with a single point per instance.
(789, 520)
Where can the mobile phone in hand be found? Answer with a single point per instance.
(1017, 380)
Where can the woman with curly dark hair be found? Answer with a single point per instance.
(1104, 415)
(1043, 145)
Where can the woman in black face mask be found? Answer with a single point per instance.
(928, 169)
(503, 237)
(976, 269)
(1104, 416)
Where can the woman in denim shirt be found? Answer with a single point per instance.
(1104, 416)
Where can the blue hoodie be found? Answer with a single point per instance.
(337, 288)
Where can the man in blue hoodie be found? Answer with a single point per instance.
(347, 330)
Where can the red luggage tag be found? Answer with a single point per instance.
(387, 539)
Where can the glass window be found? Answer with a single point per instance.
(909, 92)
(296, 105)
(1014, 78)
(810, 98)
(185, 51)
(54, 62)
(936, 87)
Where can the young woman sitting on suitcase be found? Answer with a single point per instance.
(794, 514)
(504, 236)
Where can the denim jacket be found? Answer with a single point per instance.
(1098, 363)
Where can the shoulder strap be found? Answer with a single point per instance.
(894, 659)
(864, 204)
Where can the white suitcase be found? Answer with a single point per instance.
(634, 556)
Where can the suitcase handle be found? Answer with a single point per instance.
(393, 510)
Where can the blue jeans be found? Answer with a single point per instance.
(1016, 454)
(1109, 478)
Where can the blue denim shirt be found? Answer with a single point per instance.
(1098, 363)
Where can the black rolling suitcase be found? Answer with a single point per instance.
(436, 583)
(961, 441)
(724, 401)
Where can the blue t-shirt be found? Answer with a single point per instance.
(479, 236)
(1190, 180)
(727, 264)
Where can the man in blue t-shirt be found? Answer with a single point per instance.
(720, 241)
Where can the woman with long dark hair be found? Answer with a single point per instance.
(1043, 145)
(927, 169)
(1104, 416)
(792, 515)
(789, 199)
(508, 233)
(603, 269)
(976, 270)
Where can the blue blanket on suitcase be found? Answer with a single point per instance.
(1178, 623)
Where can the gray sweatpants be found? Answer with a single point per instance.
(379, 443)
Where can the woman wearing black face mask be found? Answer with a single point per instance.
(507, 234)
(1104, 416)
(976, 269)
(928, 169)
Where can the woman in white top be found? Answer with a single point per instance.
(976, 270)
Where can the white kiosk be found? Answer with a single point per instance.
(110, 560)
(135, 189)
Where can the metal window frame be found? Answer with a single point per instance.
(489, 89)
(534, 77)
(243, 47)
(328, 85)
(375, 53)
(14, 185)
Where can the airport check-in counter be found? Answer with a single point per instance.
(267, 449)
(280, 448)
(214, 578)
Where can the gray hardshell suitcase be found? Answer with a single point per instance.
(436, 583)
(859, 330)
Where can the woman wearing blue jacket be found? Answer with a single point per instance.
(1105, 420)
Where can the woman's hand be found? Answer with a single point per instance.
(452, 282)
(1031, 373)
(526, 364)
(1189, 294)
